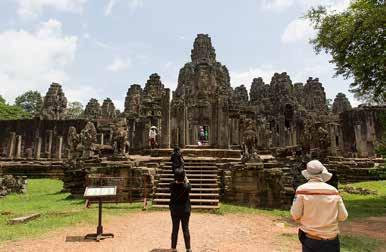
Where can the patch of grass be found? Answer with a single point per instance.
(360, 206)
(56, 210)
(226, 208)
(349, 243)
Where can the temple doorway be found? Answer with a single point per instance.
(203, 135)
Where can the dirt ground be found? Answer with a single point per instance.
(374, 227)
(150, 231)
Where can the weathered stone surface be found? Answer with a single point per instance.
(23, 219)
(108, 110)
(12, 184)
(341, 104)
(93, 109)
(133, 100)
(54, 104)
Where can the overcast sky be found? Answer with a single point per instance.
(97, 48)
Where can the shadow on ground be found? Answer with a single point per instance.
(77, 239)
(161, 250)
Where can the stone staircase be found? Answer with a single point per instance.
(202, 175)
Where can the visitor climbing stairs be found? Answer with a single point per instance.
(202, 175)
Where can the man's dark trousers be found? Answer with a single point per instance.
(184, 219)
(311, 245)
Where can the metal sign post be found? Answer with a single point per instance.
(100, 193)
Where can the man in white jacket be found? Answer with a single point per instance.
(319, 207)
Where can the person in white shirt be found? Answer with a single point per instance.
(153, 137)
(319, 207)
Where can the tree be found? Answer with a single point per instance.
(9, 112)
(75, 110)
(30, 101)
(355, 39)
(2, 100)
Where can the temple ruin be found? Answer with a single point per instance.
(254, 141)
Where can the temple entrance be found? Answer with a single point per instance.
(203, 135)
(199, 135)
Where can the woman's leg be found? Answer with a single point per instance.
(176, 224)
(185, 229)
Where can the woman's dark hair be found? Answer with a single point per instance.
(179, 174)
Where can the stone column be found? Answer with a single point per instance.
(59, 148)
(38, 147)
(49, 147)
(360, 145)
(11, 146)
(18, 146)
(102, 136)
(332, 133)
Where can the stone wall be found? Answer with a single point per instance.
(35, 138)
(12, 184)
(351, 170)
(361, 128)
(255, 186)
(127, 176)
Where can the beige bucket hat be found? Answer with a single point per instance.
(315, 169)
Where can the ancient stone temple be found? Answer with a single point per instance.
(341, 104)
(146, 108)
(54, 104)
(250, 145)
(108, 110)
(93, 109)
(202, 98)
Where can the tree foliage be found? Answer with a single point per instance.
(75, 110)
(2, 100)
(355, 39)
(30, 101)
(11, 112)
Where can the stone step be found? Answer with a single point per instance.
(194, 189)
(191, 200)
(192, 179)
(190, 175)
(194, 185)
(191, 194)
(167, 171)
(193, 206)
(187, 167)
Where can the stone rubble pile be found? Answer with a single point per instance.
(12, 184)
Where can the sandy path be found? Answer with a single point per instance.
(147, 231)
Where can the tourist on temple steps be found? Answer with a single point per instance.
(319, 207)
(177, 159)
(153, 137)
(180, 208)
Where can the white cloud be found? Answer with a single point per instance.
(119, 64)
(33, 8)
(78, 93)
(109, 7)
(246, 77)
(276, 4)
(298, 30)
(32, 60)
(279, 5)
(135, 4)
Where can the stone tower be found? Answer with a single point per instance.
(54, 104)
(341, 104)
(93, 109)
(202, 97)
(108, 109)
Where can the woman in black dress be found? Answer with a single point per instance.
(180, 208)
